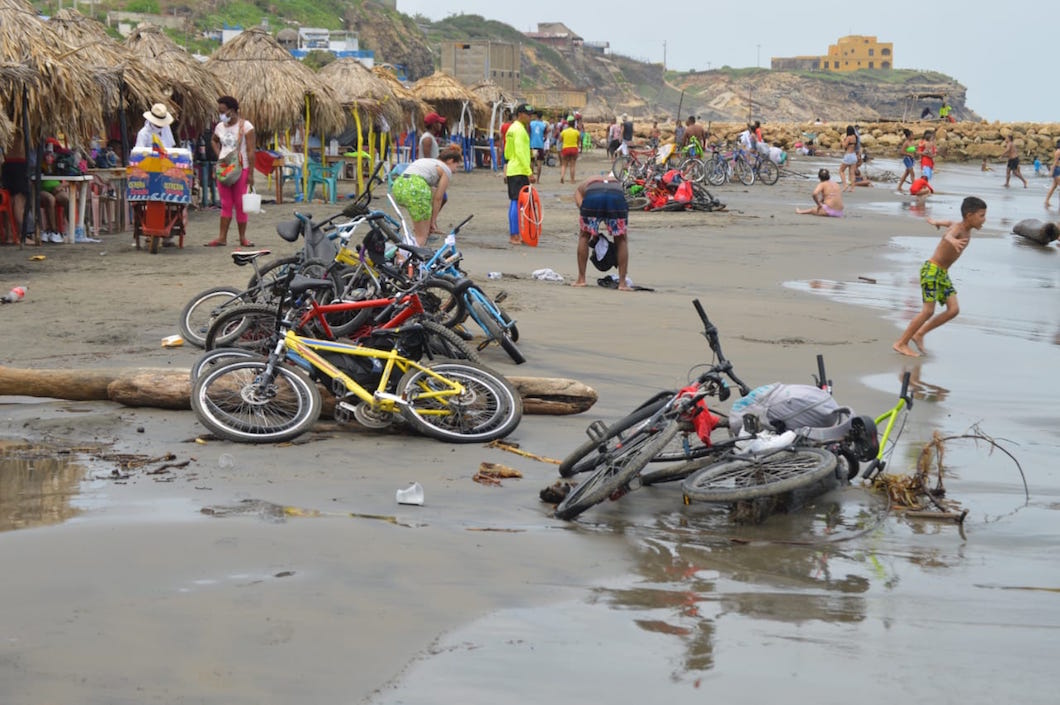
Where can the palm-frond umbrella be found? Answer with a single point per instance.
(11, 74)
(274, 89)
(456, 103)
(413, 107)
(142, 86)
(185, 79)
(361, 91)
(64, 98)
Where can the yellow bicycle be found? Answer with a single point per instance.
(263, 400)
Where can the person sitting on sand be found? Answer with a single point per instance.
(921, 188)
(827, 198)
(935, 284)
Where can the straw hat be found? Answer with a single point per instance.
(159, 115)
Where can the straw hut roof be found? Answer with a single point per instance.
(143, 86)
(491, 93)
(184, 77)
(11, 74)
(357, 87)
(412, 106)
(448, 96)
(65, 97)
(272, 86)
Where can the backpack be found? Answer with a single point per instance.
(785, 407)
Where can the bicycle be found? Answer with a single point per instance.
(616, 455)
(890, 419)
(264, 400)
(765, 169)
(729, 166)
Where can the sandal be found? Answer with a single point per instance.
(246, 243)
(216, 243)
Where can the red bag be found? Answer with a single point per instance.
(683, 194)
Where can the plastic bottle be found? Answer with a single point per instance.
(15, 295)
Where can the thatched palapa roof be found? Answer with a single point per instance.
(412, 106)
(14, 74)
(143, 87)
(491, 93)
(448, 96)
(186, 80)
(272, 86)
(357, 87)
(65, 98)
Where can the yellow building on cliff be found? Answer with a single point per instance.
(850, 53)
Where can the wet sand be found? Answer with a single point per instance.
(480, 595)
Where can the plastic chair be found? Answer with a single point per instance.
(292, 173)
(7, 225)
(325, 176)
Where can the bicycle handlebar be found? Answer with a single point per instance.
(904, 394)
(462, 223)
(710, 332)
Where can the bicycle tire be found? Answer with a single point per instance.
(743, 171)
(636, 203)
(616, 473)
(440, 300)
(486, 315)
(248, 326)
(658, 473)
(513, 330)
(443, 341)
(205, 305)
(234, 401)
(768, 173)
(216, 357)
(489, 408)
(694, 169)
(742, 479)
(589, 454)
(717, 172)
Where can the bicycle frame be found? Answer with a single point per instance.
(890, 417)
(304, 352)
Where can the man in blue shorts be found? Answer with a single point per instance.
(602, 202)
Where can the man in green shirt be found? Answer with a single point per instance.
(519, 170)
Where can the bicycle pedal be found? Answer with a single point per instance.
(484, 344)
(461, 331)
(597, 430)
(501, 296)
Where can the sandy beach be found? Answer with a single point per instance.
(123, 590)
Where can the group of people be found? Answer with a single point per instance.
(924, 150)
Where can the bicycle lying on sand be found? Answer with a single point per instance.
(265, 400)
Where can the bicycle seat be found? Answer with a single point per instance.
(424, 253)
(246, 257)
(291, 229)
(300, 284)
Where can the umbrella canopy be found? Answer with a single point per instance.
(185, 79)
(412, 106)
(272, 86)
(448, 97)
(357, 87)
(65, 97)
(143, 86)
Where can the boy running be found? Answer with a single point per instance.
(935, 284)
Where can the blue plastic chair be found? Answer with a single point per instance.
(325, 176)
(292, 173)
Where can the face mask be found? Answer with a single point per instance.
(223, 117)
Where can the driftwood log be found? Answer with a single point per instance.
(1037, 231)
(167, 388)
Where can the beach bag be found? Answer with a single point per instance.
(228, 168)
(785, 406)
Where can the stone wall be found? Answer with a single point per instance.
(959, 141)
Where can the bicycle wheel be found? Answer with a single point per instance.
(742, 171)
(444, 342)
(513, 330)
(238, 402)
(620, 166)
(249, 326)
(203, 307)
(593, 451)
(637, 203)
(698, 457)
(716, 171)
(488, 408)
(439, 299)
(486, 315)
(617, 471)
(740, 479)
(217, 357)
(694, 170)
(768, 173)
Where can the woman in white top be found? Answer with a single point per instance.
(233, 132)
(421, 190)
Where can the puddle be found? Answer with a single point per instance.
(37, 485)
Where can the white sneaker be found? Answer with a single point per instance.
(58, 237)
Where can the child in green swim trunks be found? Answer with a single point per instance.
(935, 284)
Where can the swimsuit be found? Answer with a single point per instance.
(850, 158)
(1013, 164)
(907, 162)
(831, 211)
(604, 204)
(414, 193)
(1056, 171)
(927, 172)
(935, 284)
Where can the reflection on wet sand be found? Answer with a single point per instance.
(924, 391)
(36, 485)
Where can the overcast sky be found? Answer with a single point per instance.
(1004, 53)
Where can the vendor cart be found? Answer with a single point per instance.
(159, 191)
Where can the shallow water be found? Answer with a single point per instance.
(842, 601)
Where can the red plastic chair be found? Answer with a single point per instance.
(7, 225)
